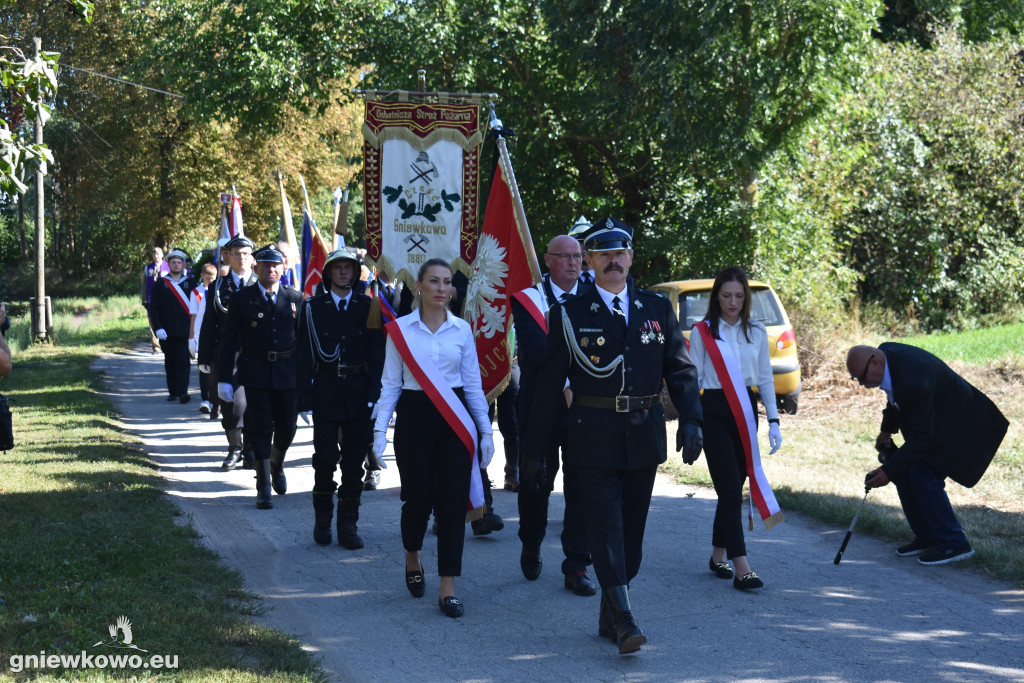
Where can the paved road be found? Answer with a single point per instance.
(875, 617)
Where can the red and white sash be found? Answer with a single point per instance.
(533, 301)
(178, 293)
(727, 368)
(452, 410)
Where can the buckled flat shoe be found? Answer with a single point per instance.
(748, 582)
(531, 564)
(720, 569)
(414, 582)
(451, 606)
(579, 583)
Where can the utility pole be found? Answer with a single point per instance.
(40, 310)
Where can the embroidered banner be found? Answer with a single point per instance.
(421, 173)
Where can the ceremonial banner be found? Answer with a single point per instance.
(505, 264)
(421, 173)
(318, 252)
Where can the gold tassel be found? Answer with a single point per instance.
(773, 520)
(476, 514)
(373, 319)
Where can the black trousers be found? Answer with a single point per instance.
(533, 515)
(177, 364)
(727, 465)
(270, 419)
(435, 470)
(341, 442)
(232, 415)
(615, 503)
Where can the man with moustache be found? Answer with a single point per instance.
(260, 340)
(218, 303)
(169, 318)
(614, 345)
(340, 361)
(563, 260)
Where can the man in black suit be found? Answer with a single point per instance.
(169, 318)
(949, 428)
(341, 358)
(260, 332)
(218, 303)
(563, 260)
(614, 344)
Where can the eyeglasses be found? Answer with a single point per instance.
(567, 256)
(860, 380)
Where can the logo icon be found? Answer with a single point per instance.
(123, 627)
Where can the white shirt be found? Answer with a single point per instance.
(886, 383)
(559, 292)
(338, 299)
(264, 291)
(240, 279)
(197, 307)
(753, 356)
(451, 350)
(607, 297)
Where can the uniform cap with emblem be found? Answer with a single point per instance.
(341, 255)
(176, 253)
(240, 241)
(269, 254)
(608, 234)
(579, 228)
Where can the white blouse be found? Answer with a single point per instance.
(451, 349)
(754, 359)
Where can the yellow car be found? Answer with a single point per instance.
(690, 300)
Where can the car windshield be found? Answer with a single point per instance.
(693, 306)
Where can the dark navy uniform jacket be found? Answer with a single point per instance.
(331, 396)
(218, 301)
(943, 419)
(653, 349)
(165, 309)
(253, 328)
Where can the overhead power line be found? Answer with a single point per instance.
(120, 80)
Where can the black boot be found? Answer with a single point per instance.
(263, 499)
(248, 454)
(348, 515)
(628, 635)
(234, 459)
(277, 471)
(323, 507)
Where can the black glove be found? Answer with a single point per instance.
(689, 440)
(533, 475)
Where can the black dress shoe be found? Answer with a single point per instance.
(185, 398)
(721, 569)
(451, 606)
(747, 582)
(172, 397)
(491, 521)
(414, 582)
(232, 461)
(531, 564)
(579, 583)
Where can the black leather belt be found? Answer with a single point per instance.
(620, 404)
(340, 370)
(271, 356)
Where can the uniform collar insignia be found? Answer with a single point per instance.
(595, 307)
(639, 306)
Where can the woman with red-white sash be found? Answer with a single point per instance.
(731, 354)
(432, 378)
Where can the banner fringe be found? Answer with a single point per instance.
(477, 513)
(773, 520)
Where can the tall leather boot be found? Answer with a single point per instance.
(628, 635)
(323, 508)
(605, 621)
(248, 454)
(263, 496)
(348, 515)
(234, 458)
(277, 471)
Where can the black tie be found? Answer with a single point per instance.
(617, 310)
(563, 296)
(341, 305)
(270, 297)
(585, 276)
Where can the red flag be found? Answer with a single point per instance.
(505, 263)
(315, 266)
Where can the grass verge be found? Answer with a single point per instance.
(88, 534)
(829, 446)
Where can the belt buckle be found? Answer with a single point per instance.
(341, 370)
(622, 404)
(271, 356)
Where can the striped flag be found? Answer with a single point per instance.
(315, 254)
(236, 228)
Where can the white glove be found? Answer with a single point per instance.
(205, 369)
(774, 438)
(486, 449)
(305, 416)
(161, 334)
(226, 392)
(380, 442)
(193, 347)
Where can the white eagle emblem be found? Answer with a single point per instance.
(489, 273)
